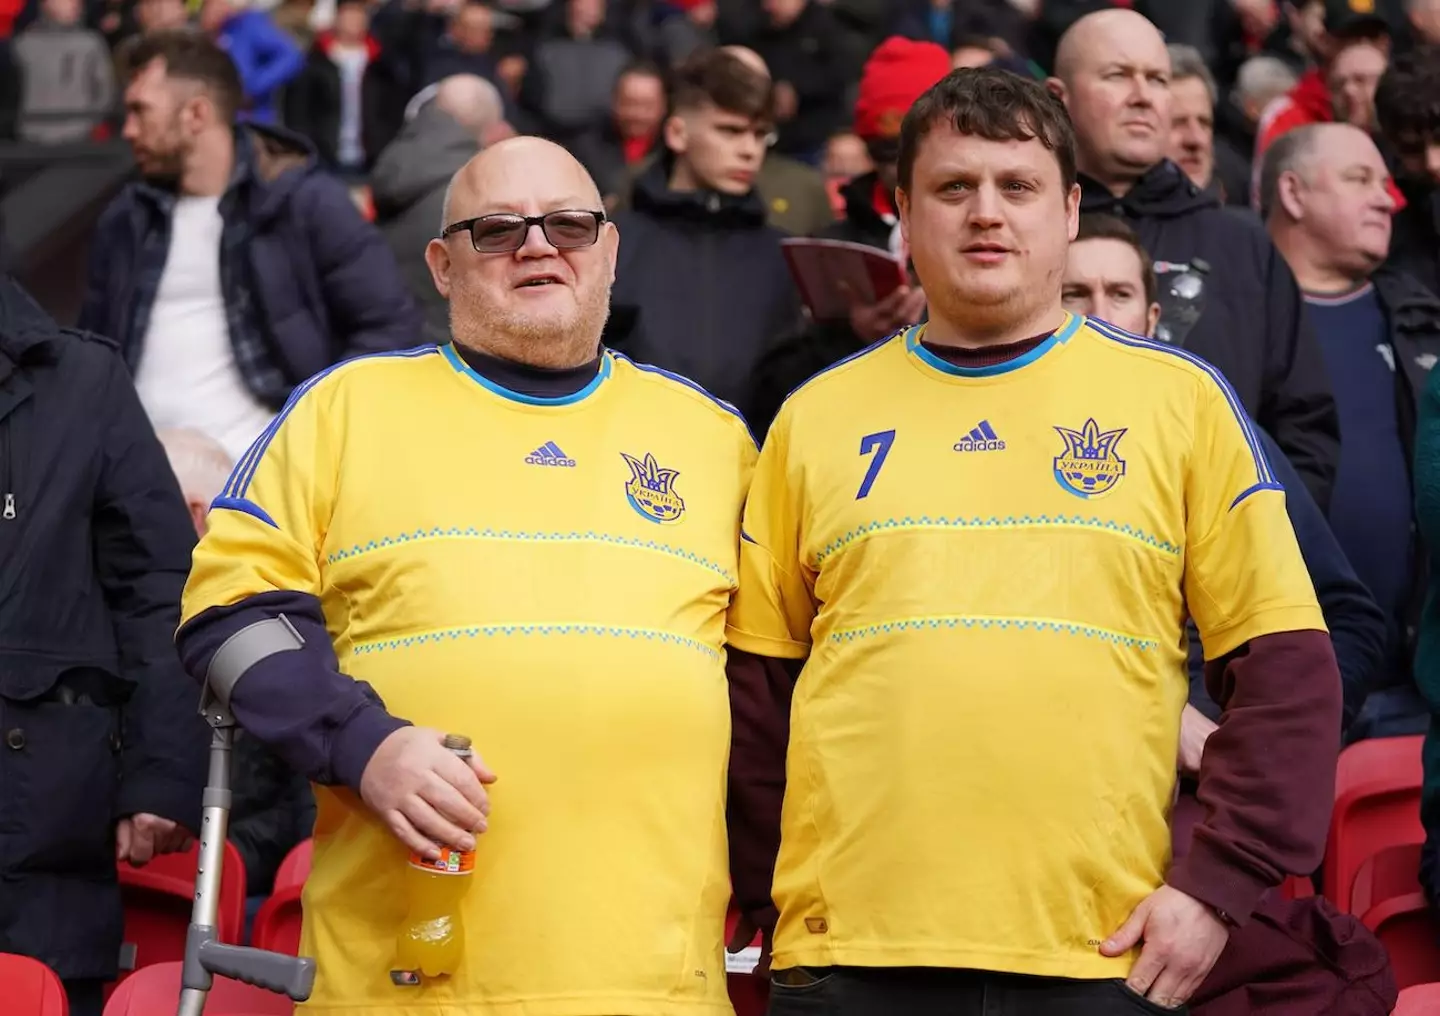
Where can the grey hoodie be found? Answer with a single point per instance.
(68, 82)
(408, 187)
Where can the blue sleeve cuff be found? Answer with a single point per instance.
(355, 741)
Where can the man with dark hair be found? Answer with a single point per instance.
(1225, 291)
(234, 268)
(701, 287)
(983, 537)
(637, 110)
(1102, 281)
(1407, 107)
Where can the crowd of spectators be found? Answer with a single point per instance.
(1277, 165)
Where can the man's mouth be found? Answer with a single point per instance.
(541, 280)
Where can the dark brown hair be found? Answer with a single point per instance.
(1099, 226)
(1407, 99)
(994, 104)
(725, 81)
(190, 56)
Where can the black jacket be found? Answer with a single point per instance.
(1415, 245)
(97, 719)
(701, 287)
(1253, 325)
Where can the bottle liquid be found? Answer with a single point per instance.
(432, 938)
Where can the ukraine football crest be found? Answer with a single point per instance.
(651, 490)
(1089, 466)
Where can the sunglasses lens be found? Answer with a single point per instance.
(497, 233)
(571, 229)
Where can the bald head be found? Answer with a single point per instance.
(1304, 151)
(1098, 36)
(471, 101)
(749, 58)
(504, 174)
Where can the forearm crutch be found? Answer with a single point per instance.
(205, 954)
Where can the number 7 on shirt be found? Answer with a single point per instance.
(879, 444)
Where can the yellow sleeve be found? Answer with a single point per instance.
(266, 527)
(775, 604)
(1244, 574)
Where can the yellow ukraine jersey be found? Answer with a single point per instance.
(989, 570)
(551, 578)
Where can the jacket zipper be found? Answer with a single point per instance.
(7, 510)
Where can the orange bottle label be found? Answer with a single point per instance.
(450, 862)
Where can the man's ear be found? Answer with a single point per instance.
(1152, 320)
(437, 259)
(677, 134)
(1057, 88)
(902, 205)
(1289, 194)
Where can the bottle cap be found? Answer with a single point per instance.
(457, 742)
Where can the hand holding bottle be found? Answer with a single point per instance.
(427, 794)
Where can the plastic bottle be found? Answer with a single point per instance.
(431, 942)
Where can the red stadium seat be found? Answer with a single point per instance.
(1410, 935)
(1297, 887)
(155, 991)
(749, 993)
(30, 988)
(1419, 1000)
(295, 869)
(1394, 871)
(158, 899)
(1377, 805)
(277, 924)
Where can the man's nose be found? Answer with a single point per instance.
(537, 244)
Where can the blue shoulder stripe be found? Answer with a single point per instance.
(244, 471)
(1265, 478)
(680, 379)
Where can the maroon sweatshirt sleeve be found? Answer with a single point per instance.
(760, 690)
(1267, 778)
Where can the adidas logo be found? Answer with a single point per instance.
(549, 454)
(981, 439)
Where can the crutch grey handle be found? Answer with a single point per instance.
(287, 975)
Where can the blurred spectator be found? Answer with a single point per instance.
(701, 287)
(897, 74)
(1209, 161)
(411, 176)
(265, 57)
(235, 268)
(846, 157)
(327, 101)
(1407, 105)
(1351, 79)
(1260, 81)
(67, 76)
(690, 25)
(801, 45)
(1329, 211)
(465, 47)
(104, 755)
(1424, 18)
(972, 52)
(572, 74)
(637, 109)
(969, 24)
(1325, 29)
(161, 15)
(272, 808)
(1245, 315)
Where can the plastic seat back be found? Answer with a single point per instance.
(278, 922)
(30, 988)
(1377, 805)
(158, 900)
(295, 869)
(1410, 934)
(1419, 1000)
(155, 991)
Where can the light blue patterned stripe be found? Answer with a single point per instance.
(559, 628)
(522, 536)
(1061, 521)
(1037, 624)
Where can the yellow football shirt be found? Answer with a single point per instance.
(989, 571)
(550, 577)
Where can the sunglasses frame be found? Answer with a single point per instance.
(468, 225)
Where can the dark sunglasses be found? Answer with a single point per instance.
(503, 233)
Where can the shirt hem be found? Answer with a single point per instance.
(598, 1005)
(762, 645)
(1270, 621)
(1077, 966)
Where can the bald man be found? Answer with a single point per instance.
(1248, 318)
(525, 540)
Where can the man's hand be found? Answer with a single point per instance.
(744, 935)
(426, 793)
(1195, 730)
(140, 837)
(1183, 939)
(871, 322)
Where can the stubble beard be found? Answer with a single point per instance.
(552, 340)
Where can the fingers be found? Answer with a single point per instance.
(1146, 971)
(122, 839)
(452, 805)
(480, 769)
(142, 845)
(1129, 934)
(462, 775)
(741, 938)
(1169, 988)
(408, 835)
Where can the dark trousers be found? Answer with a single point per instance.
(86, 998)
(913, 991)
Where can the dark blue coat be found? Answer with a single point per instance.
(307, 281)
(97, 718)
